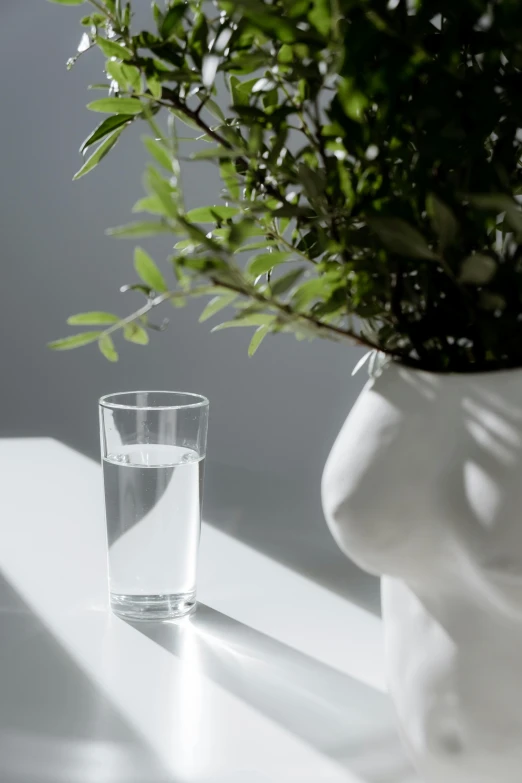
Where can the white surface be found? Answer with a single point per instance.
(424, 485)
(275, 679)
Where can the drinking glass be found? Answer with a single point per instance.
(153, 446)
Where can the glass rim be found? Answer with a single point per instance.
(200, 401)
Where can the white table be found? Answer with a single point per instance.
(274, 680)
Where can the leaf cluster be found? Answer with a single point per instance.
(370, 160)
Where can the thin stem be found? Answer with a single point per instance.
(174, 102)
(284, 309)
(104, 11)
(293, 316)
(151, 304)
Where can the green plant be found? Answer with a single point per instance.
(370, 156)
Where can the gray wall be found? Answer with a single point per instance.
(277, 413)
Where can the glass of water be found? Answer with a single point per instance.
(153, 446)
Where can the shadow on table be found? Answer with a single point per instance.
(55, 725)
(340, 717)
(283, 519)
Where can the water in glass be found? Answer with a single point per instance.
(153, 508)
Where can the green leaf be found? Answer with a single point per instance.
(108, 125)
(266, 245)
(264, 262)
(401, 238)
(148, 271)
(198, 45)
(171, 20)
(211, 214)
(158, 152)
(214, 109)
(74, 341)
(255, 319)
(150, 204)
(317, 288)
(67, 2)
(273, 24)
(155, 87)
(133, 76)
(106, 346)
(241, 91)
(93, 318)
(178, 301)
(477, 269)
(319, 16)
(243, 229)
(99, 154)
(237, 98)
(113, 49)
(314, 182)
(135, 333)
(185, 119)
(157, 13)
(271, 99)
(220, 153)
(116, 105)
(186, 244)
(284, 283)
(500, 202)
(247, 62)
(258, 337)
(166, 194)
(216, 304)
(115, 71)
(352, 100)
(230, 178)
(491, 301)
(286, 54)
(197, 234)
(255, 139)
(443, 221)
(142, 229)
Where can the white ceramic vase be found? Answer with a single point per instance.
(424, 487)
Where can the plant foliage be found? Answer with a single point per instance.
(370, 160)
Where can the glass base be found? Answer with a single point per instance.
(153, 607)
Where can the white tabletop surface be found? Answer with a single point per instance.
(275, 679)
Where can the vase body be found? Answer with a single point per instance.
(424, 488)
